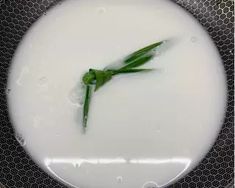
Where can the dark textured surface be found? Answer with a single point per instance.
(18, 170)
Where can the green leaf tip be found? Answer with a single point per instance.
(139, 53)
(86, 105)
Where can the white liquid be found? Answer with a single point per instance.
(145, 129)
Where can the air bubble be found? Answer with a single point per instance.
(150, 185)
(119, 179)
(22, 75)
(42, 81)
(76, 165)
(20, 139)
(101, 10)
(76, 96)
(193, 39)
(8, 91)
(157, 131)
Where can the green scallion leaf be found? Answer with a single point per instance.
(141, 52)
(86, 105)
(98, 78)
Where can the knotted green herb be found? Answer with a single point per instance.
(95, 79)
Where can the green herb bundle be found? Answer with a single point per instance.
(94, 79)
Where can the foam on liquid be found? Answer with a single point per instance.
(144, 130)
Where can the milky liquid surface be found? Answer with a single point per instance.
(145, 129)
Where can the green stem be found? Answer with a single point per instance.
(126, 71)
(86, 106)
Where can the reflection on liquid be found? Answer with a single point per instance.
(81, 161)
(119, 161)
(57, 176)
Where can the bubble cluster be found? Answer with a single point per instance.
(20, 139)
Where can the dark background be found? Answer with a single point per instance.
(17, 170)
